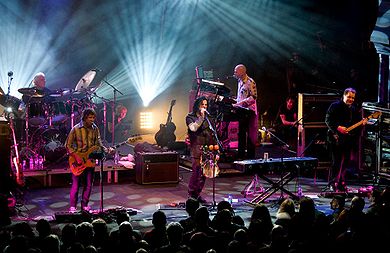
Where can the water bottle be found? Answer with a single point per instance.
(40, 162)
(116, 157)
(299, 192)
(36, 162)
(230, 199)
(31, 163)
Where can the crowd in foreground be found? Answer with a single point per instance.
(298, 227)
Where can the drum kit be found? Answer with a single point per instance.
(47, 116)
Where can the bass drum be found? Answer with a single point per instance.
(50, 143)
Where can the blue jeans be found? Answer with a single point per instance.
(86, 179)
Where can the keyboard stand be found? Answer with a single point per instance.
(275, 186)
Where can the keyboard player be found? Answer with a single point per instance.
(246, 98)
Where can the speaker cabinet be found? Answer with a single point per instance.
(312, 142)
(312, 107)
(157, 168)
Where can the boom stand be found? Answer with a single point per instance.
(212, 128)
(113, 111)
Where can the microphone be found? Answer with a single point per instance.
(313, 108)
(264, 129)
(208, 114)
(10, 73)
(97, 70)
(228, 77)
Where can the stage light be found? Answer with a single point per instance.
(146, 120)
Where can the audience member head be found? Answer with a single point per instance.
(68, 234)
(202, 216)
(85, 233)
(51, 244)
(122, 216)
(224, 205)
(43, 227)
(191, 206)
(159, 220)
(175, 233)
(337, 202)
(287, 206)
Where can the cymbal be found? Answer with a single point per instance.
(60, 92)
(86, 80)
(32, 92)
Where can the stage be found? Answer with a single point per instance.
(36, 200)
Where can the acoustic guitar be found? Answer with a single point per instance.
(83, 157)
(166, 134)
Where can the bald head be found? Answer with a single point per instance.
(39, 80)
(240, 71)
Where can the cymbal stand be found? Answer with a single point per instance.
(113, 111)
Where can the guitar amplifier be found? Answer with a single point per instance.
(157, 167)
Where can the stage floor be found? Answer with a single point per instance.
(37, 201)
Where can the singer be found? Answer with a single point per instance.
(247, 128)
(200, 134)
(286, 123)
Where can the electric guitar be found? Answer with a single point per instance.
(336, 137)
(166, 135)
(79, 161)
(15, 159)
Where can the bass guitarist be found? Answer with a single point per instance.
(343, 142)
(82, 138)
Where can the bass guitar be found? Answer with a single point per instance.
(336, 138)
(165, 135)
(79, 161)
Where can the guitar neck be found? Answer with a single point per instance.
(355, 125)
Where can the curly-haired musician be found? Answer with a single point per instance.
(199, 134)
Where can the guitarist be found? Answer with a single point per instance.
(343, 144)
(82, 137)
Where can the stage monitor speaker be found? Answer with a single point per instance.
(312, 142)
(312, 108)
(157, 168)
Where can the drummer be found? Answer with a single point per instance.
(41, 92)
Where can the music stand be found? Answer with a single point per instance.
(99, 155)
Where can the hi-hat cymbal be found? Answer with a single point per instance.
(32, 92)
(86, 80)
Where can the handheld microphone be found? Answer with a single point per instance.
(205, 111)
(97, 70)
(264, 129)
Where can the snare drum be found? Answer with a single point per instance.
(58, 112)
(37, 113)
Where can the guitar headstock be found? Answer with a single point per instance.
(134, 138)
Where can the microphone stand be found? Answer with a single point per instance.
(113, 111)
(212, 128)
(105, 101)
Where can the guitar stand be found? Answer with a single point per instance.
(255, 184)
